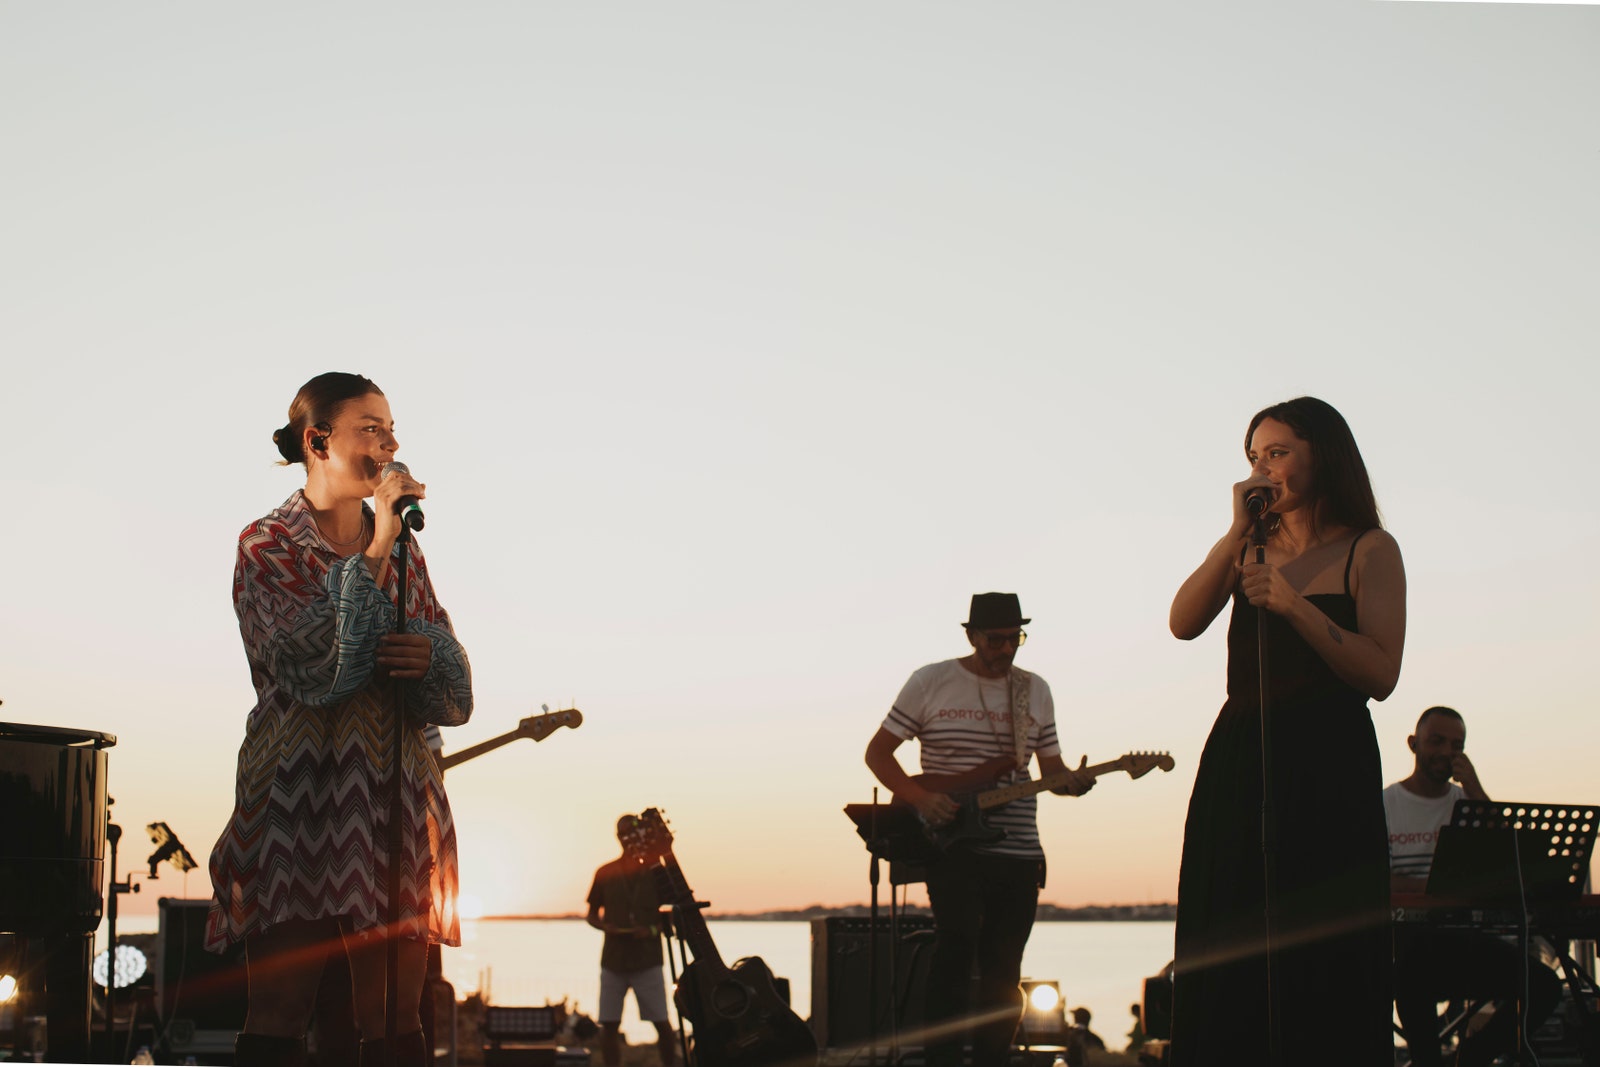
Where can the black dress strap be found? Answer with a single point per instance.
(1351, 561)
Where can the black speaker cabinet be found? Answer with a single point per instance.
(842, 1005)
(201, 995)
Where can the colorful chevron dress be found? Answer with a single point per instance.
(308, 838)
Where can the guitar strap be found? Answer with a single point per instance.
(1020, 684)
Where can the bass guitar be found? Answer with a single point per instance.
(739, 1019)
(969, 827)
(535, 728)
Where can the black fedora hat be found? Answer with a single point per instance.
(994, 611)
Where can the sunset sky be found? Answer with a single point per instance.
(739, 344)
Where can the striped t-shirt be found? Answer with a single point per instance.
(1414, 827)
(960, 720)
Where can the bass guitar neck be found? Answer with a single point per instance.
(535, 728)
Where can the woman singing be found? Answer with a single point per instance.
(1334, 593)
(302, 869)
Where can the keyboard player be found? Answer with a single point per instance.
(1430, 964)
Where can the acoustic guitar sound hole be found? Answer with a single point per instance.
(730, 999)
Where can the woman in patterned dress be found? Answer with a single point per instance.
(301, 871)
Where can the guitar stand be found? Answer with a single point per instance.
(676, 965)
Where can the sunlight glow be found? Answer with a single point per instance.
(8, 988)
(469, 906)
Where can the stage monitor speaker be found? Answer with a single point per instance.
(196, 990)
(842, 1005)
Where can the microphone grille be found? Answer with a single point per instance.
(394, 466)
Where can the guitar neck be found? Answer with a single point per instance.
(446, 762)
(691, 921)
(993, 798)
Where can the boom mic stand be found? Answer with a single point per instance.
(1269, 828)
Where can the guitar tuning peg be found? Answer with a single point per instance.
(544, 708)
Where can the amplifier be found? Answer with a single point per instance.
(843, 1007)
(200, 995)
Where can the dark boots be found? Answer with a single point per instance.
(262, 1050)
(409, 1050)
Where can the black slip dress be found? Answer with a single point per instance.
(1331, 907)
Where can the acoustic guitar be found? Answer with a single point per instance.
(739, 1019)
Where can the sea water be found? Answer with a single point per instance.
(518, 962)
(1099, 965)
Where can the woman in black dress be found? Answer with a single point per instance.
(1333, 590)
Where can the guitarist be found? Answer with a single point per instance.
(964, 713)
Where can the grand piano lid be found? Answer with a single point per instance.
(64, 736)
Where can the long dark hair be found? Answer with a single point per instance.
(316, 404)
(1339, 483)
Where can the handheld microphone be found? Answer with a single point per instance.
(1256, 501)
(406, 507)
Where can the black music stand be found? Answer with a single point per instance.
(894, 833)
(1508, 852)
(1519, 855)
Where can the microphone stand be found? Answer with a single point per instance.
(391, 1004)
(1269, 828)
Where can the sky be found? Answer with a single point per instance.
(738, 345)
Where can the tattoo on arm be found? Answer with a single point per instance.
(1335, 633)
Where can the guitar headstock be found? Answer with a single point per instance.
(539, 727)
(647, 841)
(1139, 764)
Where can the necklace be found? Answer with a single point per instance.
(360, 536)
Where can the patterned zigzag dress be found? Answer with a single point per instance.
(308, 837)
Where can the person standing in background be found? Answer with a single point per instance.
(623, 904)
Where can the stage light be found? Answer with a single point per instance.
(1044, 1016)
(1043, 997)
(8, 988)
(131, 965)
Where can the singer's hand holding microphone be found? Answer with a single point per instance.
(1261, 583)
(1251, 498)
(395, 502)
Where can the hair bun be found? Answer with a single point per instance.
(289, 446)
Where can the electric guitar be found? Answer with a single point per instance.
(739, 1018)
(969, 827)
(536, 727)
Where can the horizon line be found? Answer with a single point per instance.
(819, 909)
